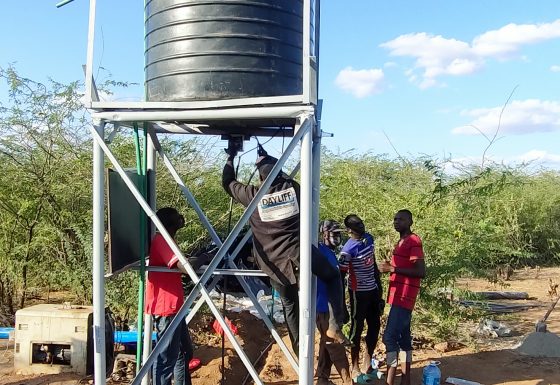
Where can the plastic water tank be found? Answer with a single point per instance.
(223, 49)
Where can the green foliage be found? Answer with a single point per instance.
(471, 219)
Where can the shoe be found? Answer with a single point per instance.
(374, 374)
(361, 378)
(338, 336)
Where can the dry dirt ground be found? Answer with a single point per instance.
(484, 360)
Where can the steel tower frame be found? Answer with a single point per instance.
(303, 111)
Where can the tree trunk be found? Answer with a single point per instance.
(24, 285)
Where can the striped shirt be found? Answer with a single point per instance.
(357, 258)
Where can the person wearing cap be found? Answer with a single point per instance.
(330, 352)
(357, 259)
(406, 270)
(275, 224)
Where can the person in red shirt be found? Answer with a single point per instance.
(406, 269)
(164, 298)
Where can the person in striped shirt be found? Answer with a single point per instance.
(357, 260)
(406, 269)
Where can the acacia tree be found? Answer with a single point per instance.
(45, 191)
(44, 198)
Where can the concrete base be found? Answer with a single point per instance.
(539, 344)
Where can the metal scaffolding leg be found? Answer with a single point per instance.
(148, 322)
(306, 324)
(316, 158)
(98, 258)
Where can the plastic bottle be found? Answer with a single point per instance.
(431, 374)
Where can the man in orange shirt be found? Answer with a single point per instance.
(407, 268)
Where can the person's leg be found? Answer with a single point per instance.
(405, 344)
(329, 274)
(373, 319)
(357, 317)
(323, 361)
(330, 353)
(390, 339)
(181, 374)
(165, 362)
(338, 358)
(405, 358)
(290, 305)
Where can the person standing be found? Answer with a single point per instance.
(164, 298)
(357, 259)
(406, 270)
(275, 224)
(330, 352)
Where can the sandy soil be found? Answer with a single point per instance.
(484, 360)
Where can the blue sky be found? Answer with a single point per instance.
(413, 75)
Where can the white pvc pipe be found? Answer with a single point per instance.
(306, 324)
(98, 259)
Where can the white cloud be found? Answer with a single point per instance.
(555, 68)
(437, 56)
(540, 157)
(519, 117)
(533, 158)
(507, 40)
(360, 83)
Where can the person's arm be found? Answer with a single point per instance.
(238, 191)
(166, 254)
(377, 277)
(418, 269)
(228, 175)
(182, 268)
(200, 259)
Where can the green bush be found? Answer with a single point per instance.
(471, 219)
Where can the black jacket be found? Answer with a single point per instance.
(275, 224)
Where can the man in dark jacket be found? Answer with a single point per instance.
(276, 226)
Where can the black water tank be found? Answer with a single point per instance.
(223, 49)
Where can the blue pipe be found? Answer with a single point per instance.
(121, 337)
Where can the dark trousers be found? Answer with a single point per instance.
(174, 359)
(364, 307)
(327, 273)
(330, 353)
(397, 334)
